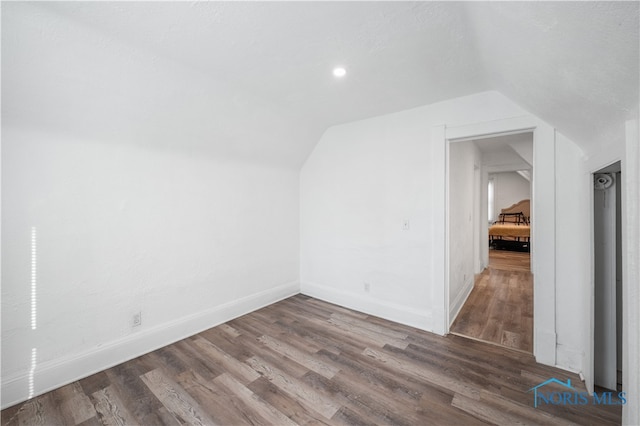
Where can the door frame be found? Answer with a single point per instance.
(592, 308)
(543, 212)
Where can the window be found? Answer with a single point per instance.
(490, 192)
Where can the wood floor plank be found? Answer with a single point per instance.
(286, 364)
(361, 369)
(95, 382)
(300, 307)
(229, 330)
(295, 388)
(439, 412)
(93, 421)
(196, 361)
(75, 404)
(499, 309)
(305, 361)
(175, 399)
(288, 405)
(41, 411)
(168, 359)
(238, 369)
(134, 394)
(373, 337)
(332, 308)
(485, 412)
(216, 401)
(444, 381)
(302, 358)
(346, 416)
(357, 396)
(267, 412)
(370, 326)
(301, 337)
(111, 409)
(316, 331)
(474, 375)
(226, 343)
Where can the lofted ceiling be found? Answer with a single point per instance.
(513, 153)
(253, 79)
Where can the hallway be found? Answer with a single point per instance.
(499, 309)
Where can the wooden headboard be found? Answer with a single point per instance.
(523, 206)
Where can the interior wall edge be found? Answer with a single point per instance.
(460, 299)
(59, 372)
(545, 338)
(569, 358)
(631, 271)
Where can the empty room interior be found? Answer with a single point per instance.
(320, 212)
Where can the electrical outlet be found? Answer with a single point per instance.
(367, 287)
(137, 319)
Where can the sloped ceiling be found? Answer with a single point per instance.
(253, 79)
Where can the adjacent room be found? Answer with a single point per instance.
(320, 212)
(490, 179)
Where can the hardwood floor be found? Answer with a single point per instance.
(303, 361)
(510, 260)
(500, 307)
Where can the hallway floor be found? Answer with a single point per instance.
(499, 309)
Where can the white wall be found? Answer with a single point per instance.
(464, 158)
(364, 177)
(573, 188)
(509, 188)
(360, 182)
(189, 241)
(504, 160)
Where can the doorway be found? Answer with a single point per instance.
(490, 284)
(543, 252)
(607, 255)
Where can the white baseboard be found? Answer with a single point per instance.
(460, 299)
(59, 372)
(370, 305)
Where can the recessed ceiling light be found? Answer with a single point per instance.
(339, 72)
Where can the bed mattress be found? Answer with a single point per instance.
(509, 230)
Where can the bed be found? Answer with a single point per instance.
(512, 230)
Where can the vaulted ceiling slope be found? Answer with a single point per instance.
(254, 78)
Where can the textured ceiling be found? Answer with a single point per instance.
(254, 78)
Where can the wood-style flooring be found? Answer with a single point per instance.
(499, 309)
(304, 361)
(510, 260)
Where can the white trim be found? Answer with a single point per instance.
(447, 231)
(440, 234)
(61, 371)
(507, 168)
(588, 366)
(490, 129)
(543, 246)
(544, 279)
(631, 273)
(370, 305)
